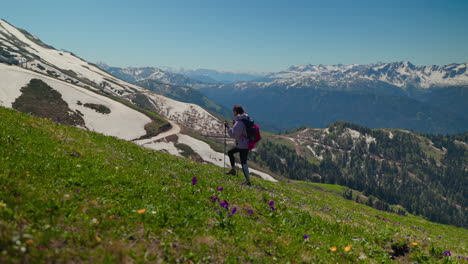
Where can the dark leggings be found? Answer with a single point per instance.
(242, 153)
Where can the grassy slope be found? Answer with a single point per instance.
(71, 195)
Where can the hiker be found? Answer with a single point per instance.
(238, 132)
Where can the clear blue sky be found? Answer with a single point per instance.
(248, 35)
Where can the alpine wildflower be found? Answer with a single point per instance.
(333, 249)
(220, 188)
(447, 253)
(233, 212)
(141, 211)
(347, 248)
(224, 205)
(272, 205)
(250, 211)
(306, 237)
(194, 180)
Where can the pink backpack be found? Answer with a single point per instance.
(253, 132)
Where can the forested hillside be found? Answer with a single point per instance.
(426, 174)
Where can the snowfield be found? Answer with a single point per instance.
(13, 78)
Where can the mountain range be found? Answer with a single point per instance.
(399, 74)
(217, 76)
(429, 99)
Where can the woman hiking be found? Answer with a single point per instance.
(239, 133)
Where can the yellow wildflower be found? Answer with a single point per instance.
(141, 211)
(2, 204)
(347, 248)
(333, 249)
(414, 243)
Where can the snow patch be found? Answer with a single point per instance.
(202, 149)
(14, 78)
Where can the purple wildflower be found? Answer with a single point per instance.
(194, 180)
(306, 237)
(250, 212)
(271, 204)
(213, 199)
(447, 253)
(224, 204)
(220, 188)
(233, 212)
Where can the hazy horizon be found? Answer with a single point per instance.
(260, 36)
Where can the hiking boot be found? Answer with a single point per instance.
(246, 183)
(231, 172)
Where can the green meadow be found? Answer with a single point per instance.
(71, 196)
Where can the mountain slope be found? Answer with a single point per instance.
(63, 92)
(70, 195)
(21, 48)
(15, 79)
